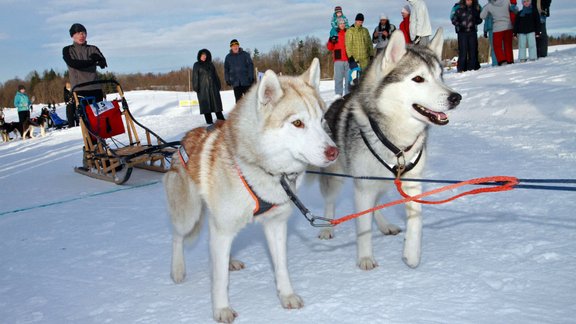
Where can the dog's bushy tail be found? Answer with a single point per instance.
(184, 204)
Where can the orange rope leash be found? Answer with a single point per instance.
(501, 183)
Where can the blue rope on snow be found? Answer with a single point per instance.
(536, 187)
(78, 198)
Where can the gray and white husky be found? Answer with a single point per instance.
(234, 172)
(381, 130)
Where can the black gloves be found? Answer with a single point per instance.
(352, 62)
(334, 39)
(98, 60)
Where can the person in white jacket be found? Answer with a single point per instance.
(502, 29)
(420, 28)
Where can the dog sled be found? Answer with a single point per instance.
(56, 122)
(114, 141)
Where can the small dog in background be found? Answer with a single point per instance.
(26, 130)
(7, 128)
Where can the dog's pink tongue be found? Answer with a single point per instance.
(438, 117)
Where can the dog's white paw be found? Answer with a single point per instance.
(236, 265)
(178, 276)
(326, 234)
(411, 262)
(367, 263)
(411, 257)
(292, 301)
(225, 315)
(389, 229)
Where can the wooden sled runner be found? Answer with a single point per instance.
(113, 145)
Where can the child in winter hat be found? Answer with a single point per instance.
(335, 16)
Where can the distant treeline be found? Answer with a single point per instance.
(292, 58)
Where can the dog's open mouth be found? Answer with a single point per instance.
(438, 118)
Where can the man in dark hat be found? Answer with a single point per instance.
(82, 60)
(359, 44)
(238, 69)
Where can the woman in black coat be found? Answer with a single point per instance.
(207, 85)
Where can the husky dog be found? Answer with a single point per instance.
(381, 130)
(234, 170)
(40, 122)
(7, 127)
(26, 130)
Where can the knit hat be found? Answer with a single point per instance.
(76, 28)
(406, 9)
(234, 42)
(340, 21)
(359, 17)
(383, 16)
(21, 87)
(338, 8)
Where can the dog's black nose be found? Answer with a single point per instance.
(454, 99)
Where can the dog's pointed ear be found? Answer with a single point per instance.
(438, 42)
(312, 75)
(396, 48)
(269, 89)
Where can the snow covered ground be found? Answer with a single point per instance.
(79, 250)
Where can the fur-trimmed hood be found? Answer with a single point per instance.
(204, 51)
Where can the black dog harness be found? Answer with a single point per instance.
(401, 166)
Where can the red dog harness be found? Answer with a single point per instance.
(261, 207)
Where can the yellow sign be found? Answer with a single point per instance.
(188, 103)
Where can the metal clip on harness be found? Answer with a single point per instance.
(315, 221)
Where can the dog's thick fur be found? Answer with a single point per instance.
(276, 129)
(403, 91)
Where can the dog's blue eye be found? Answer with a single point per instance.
(418, 79)
(298, 123)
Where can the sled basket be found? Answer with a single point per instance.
(112, 137)
(105, 118)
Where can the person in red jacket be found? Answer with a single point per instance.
(337, 45)
(405, 24)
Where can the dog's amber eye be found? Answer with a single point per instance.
(418, 79)
(298, 123)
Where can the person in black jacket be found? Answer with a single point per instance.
(207, 86)
(543, 7)
(238, 69)
(527, 28)
(82, 60)
(466, 19)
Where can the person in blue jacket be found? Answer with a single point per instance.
(238, 69)
(489, 33)
(22, 103)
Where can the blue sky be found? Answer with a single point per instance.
(160, 36)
